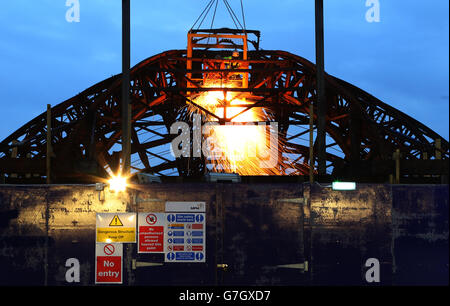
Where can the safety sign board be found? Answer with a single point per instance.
(185, 232)
(108, 263)
(151, 232)
(116, 227)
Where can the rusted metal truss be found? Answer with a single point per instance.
(86, 129)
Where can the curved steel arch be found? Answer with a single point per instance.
(86, 128)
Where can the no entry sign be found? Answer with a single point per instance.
(108, 263)
(151, 232)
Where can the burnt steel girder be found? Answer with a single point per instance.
(409, 125)
(158, 82)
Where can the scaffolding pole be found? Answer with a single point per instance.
(320, 93)
(126, 106)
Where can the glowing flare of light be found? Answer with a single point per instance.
(117, 183)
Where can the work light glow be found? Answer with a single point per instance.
(343, 185)
(117, 183)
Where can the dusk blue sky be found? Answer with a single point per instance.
(403, 60)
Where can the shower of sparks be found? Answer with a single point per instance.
(245, 148)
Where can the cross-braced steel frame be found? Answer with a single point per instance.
(86, 129)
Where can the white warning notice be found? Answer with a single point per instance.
(185, 232)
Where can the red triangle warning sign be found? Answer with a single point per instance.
(116, 221)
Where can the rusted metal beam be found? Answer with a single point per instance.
(230, 89)
(158, 101)
(23, 165)
(424, 167)
(407, 167)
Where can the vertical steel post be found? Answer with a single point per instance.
(311, 143)
(320, 89)
(189, 61)
(425, 157)
(126, 106)
(397, 156)
(49, 144)
(14, 152)
(437, 145)
(47, 229)
(438, 155)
